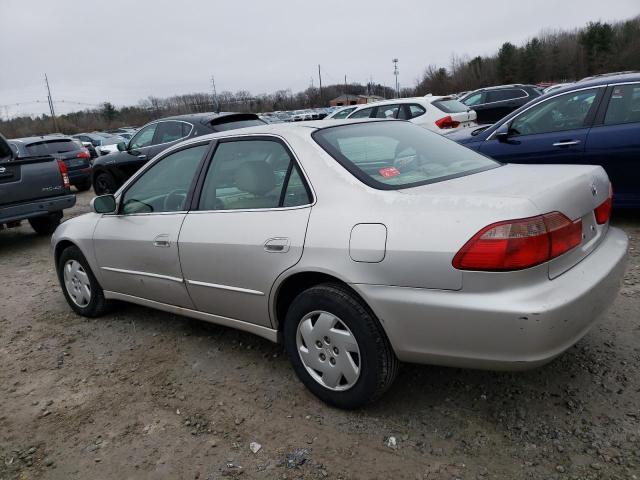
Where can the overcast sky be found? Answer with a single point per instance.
(124, 50)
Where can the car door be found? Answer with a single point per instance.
(137, 248)
(246, 227)
(167, 134)
(614, 141)
(552, 131)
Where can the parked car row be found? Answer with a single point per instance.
(296, 115)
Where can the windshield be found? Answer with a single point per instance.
(392, 155)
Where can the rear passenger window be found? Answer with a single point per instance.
(387, 111)
(364, 113)
(252, 174)
(168, 132)
(505, 94)
(624, 105)
(416, 110)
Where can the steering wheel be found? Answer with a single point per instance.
(174, 201)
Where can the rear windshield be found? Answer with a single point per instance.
(391, 154)
(231, 124)
(50, 147)
(450, 105)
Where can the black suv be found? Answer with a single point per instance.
(493, 103)
(112, 170)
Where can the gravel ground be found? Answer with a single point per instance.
(145, 394)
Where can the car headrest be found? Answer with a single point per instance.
(257, 178)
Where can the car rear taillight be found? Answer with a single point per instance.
(603, 211)
(65, 174)
(519, 244)
(447, 122)
(84, 153)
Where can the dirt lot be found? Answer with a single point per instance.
(144, 394)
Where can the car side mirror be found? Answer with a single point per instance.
(104, 204)
(122, 146)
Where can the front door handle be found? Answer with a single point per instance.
(566, 143)
(277, 245)
(162, 241)
(142, 157)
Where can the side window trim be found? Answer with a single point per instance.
(294, 163)
(192, 187)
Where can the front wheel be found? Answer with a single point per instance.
(338, 348)
(104, 183)
(80, 287)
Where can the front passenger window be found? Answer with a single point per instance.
(144, 137)
(564, 112)
(164, 186)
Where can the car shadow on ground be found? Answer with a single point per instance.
(418, 388)
(18, 240)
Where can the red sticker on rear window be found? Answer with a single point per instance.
(389, 172)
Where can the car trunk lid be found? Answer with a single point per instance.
(573, 190)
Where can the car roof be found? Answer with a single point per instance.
(284, 128)
(596, 81)
(205, 117)
(498, 87)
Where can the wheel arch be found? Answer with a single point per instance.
(61, 246)
(297, 282)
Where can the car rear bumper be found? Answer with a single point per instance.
(36, 208)
(510, 329)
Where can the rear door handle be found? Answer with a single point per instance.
(566, 143)
(277, 245)
(162, 241)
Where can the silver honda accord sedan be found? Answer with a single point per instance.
(358, 245)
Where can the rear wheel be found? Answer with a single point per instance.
(80, 287)
(338, 348)
(104, 183)
(46, 224)
(84, 185)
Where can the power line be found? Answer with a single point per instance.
(53, 112)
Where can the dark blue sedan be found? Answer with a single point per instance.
(593, 121)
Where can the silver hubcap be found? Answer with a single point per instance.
(77, 283)
(328, 350)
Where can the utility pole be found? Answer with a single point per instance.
(345, 86)
(396, 72)
(320, 79)
(53, 112)
(216, 104)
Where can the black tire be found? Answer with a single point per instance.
(378, 363)
(46, 224)
(98, 305)
(104, 183)
(84, 185)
